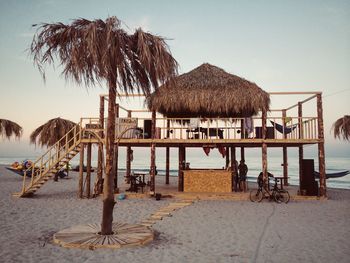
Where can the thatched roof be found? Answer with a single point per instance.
(50, 132)
(209, 91)
(9, 128)
(341, 128)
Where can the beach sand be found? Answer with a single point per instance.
(206, 231)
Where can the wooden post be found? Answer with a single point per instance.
(181, 166)
(99, 184)
(301, 151)
(167, 155)
(81, 172)
(321, 152)
(88, 170)
(285, 153)
(128, 155)
(264, 147)
(227, 164)
(153, 155)
(242, 137)
(116, 155)
(233, 167)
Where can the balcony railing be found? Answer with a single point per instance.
(278, 128)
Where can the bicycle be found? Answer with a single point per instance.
(277, 194)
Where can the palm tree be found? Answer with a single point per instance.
(9, 128)
(97, 51)
(341, 128)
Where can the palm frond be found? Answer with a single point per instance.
(341, 128)
(9, 128)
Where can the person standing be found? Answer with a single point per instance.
(243, 170)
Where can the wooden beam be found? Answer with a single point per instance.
(302, 102)
(285, 152)
(99, 184)
(153, 155)
(167, 156)
(116, 155)
(88, 170)
(128, 155)
(296, 93)
(227, 163)
(264, 147)
(301, 151)
(233, 168)
(181, 167)
(81, 172)
(321, 152)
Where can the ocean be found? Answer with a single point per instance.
(198, 159)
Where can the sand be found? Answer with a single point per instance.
(206, 231)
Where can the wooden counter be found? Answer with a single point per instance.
(207, 181)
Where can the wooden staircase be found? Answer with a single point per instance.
(52, 161)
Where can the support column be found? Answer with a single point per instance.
(321, 151)
(181, 167)
(99, 181)
(128, 155)
(264, 147)
(242, 137)
(285, 152)
(233, 167)
(153, 155)
(227, 164)
(116, 153)
(88, 170)
(301, 150)
(167, 155)
(81, 172)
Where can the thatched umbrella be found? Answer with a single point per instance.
(9, 128)
(50, 132)
(209, 91)
(101, 51)
(341, 128)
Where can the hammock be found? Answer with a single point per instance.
(283, 129)
(332, 175)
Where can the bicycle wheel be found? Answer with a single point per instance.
(256, 195)
(281, 196)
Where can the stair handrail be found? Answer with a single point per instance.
(58, 146)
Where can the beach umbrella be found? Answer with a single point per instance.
(97, 51)
(341, 128)
(209, 91)
(50, 132)
(9, 128)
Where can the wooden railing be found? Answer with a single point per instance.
(294, 128)
(48, 161)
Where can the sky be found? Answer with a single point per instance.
(279, 45)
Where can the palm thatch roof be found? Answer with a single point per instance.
(341, 128)
(50, 132)
(9, 128)
(209, 91)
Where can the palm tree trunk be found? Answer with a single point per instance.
(108, 186)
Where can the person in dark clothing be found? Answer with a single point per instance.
(243, 170)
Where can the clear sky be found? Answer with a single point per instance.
(280, 45)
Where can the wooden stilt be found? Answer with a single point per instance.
(167, 155)
(99, 181)
(81, 172)
(242, 153)
(88, 170)
(181, 167)
(301, 151)
(153, 155)
(227, 164)
(233, 167)
(167, 165)
(128, 155)
(264, 147)
(115, 157)
(285, 153)
(321, 152)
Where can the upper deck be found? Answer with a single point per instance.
(284, 127)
